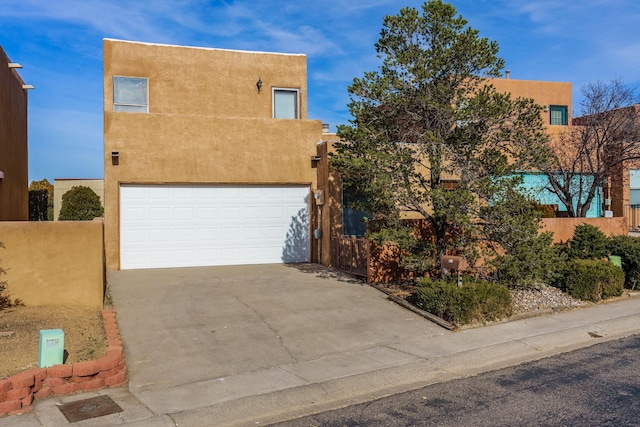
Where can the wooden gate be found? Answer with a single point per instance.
(632, 214)
(351, 254)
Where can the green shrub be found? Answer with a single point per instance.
(473, 301)
(591, 280)
(628, 249)
(588, 242)
(528, 262)
(5, 301)
(80, 204)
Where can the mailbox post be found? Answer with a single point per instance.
(455, 263)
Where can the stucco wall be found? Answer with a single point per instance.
(207, 123)
(563, 228)
(14, 195)
(542, 92)
(205, 81)
(54, 263)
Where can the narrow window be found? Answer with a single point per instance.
(353, 220)
(130, 94)
(286, 104)
(559, 115)
(634, 188)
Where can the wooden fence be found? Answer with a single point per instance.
(351, 254)
(632, 214)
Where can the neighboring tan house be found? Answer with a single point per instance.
(209, 157)
(14, 177)
(624, 180)
(555, 99)
(62, 185)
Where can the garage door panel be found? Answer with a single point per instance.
(184, 256)
(159, 256)
(159, 193)
(206, 213)
(207, 234)
(160, 235)
(165, 225)
(133, 214)
(252, 212)
(184, 234)
(138, 257)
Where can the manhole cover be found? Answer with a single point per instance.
(89, 408)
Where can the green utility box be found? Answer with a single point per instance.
(615, 260)
(51, 348)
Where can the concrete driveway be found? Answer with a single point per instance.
(196, 337)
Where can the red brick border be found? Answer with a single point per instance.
(18, 391)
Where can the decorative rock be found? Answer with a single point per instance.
(541, 298)
(60, 371)
(83, 369)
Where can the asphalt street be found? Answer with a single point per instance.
(595, 386)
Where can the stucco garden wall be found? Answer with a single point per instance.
(54, 263)
(563, 228)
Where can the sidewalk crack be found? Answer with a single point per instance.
(275, 332)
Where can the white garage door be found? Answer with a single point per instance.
(183, 226)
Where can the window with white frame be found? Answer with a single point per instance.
(130, 94)
(286, 103)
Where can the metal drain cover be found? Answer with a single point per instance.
(89, 408)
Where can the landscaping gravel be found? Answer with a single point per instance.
(542, 298)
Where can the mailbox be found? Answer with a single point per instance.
(456, 263)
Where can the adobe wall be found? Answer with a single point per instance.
(53, 263)
(205, 81)
(544, 93)
(14, 195)
(563, 228)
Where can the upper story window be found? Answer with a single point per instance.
(559, 115)
(286, 103)
(130, 94)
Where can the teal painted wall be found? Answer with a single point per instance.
(535, 184)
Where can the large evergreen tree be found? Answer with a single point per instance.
(431, 139)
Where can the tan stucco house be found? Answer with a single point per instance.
(14, 176)
(209, 157)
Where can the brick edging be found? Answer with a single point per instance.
(18, 391)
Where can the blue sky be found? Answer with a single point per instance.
(59, 44)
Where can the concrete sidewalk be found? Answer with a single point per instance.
(243, 346)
